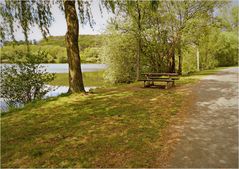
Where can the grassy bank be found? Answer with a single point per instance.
(117, 127)
(120, 126)
(96, 78)
(208, 72)
(90, 79)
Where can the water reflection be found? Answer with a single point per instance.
(63, 68)
(57, 90)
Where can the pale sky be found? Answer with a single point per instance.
(58, 27)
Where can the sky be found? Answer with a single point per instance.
(58, 27)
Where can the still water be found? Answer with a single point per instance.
(63, 68)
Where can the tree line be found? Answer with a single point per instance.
(54, 46)
(170, 36)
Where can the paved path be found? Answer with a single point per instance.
(210, 133)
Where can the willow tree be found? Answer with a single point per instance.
(29, 13)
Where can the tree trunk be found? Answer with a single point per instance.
(180, 60)
(139, 42)
(138, 60)
(172, 59)
(72, 34)
(198, 68)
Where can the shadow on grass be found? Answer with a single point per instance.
(116, 127)
(33, 104)
(100, 128)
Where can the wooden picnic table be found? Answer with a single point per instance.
(150, 78)
(160, 74)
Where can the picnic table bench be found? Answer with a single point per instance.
(150, 78)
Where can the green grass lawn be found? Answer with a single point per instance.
(210, 71)
(117, 127)
(121, 126)
(89, 78)
(96, 78)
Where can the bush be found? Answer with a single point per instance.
(119, 54)
(227, 50)
(25, 80)
(90, 55)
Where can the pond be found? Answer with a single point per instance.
(63, 68)
(60, 68)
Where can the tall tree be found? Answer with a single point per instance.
(135, 12)
(75, 74)
(179, 15)
(29, 13)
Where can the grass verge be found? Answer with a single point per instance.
(117, 127)
(96, 78)
(89, 78)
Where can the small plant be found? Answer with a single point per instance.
(24, 80)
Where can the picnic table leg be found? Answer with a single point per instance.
(152, 83)
(147, 84)
(168, 85)
(173, 84)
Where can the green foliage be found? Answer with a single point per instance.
(168, 41)
(91, 55)
(25, 80)
(156, 51)
(190, 62)
(85, 41)
(55, 54)
(24, 14)
(53, 40)
(90, 46)
(227, 49)
(119, 54)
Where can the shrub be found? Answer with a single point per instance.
(25, 80)
(90, 55)
(227, 49)
(119, 54)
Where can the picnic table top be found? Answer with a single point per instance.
(160, 74)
